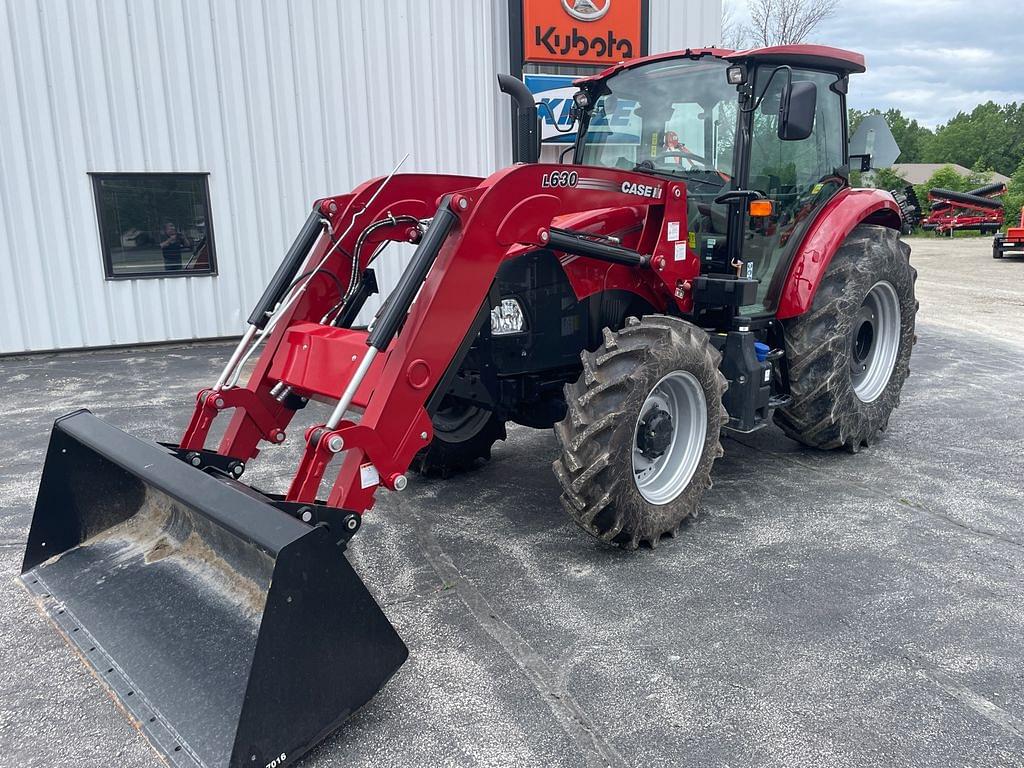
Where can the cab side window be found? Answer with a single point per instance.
(798, 176)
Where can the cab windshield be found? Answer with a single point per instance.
(675, 118)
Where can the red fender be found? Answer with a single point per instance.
(831, 227)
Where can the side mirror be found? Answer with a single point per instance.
(796, 110)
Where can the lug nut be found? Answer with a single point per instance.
(335, 443)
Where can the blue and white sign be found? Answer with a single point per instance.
(554, 93)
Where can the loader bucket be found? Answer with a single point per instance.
(230, 632)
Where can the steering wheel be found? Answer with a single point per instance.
(691, 156)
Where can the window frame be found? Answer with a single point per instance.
(838, 86)
(97, 177)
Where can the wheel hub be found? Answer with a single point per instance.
(669, 437)
(874, 341)
(862, 340)
(655, 433)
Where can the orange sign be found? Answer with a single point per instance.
(582, 31)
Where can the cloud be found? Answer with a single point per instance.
(932, 59)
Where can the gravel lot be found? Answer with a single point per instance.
(962, 288)
(823, 610)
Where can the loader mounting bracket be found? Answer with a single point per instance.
(342, 523)
(210, 402)
(203, 458)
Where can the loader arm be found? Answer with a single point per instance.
(412, 195)
(511, 208)
(491, 220)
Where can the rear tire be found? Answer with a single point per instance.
(849, 354)
(656, 375)
(997, 250)
(463, 434)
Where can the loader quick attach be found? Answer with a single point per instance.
(660, 289)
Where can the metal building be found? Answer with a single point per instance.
(268, 105)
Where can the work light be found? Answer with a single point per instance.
(736, 75)
(507, 318)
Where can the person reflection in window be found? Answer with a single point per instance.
(172, 246)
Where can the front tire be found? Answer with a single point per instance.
(463, 435)
(849, 354)
(642, 431)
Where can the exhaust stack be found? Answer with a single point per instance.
(526, 124)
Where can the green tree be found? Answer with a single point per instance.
(887, 178)
(990, 136)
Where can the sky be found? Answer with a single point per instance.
(929, 58)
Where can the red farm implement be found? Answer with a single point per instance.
(978, 209)
(640, 299)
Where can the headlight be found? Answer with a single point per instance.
(507, 318)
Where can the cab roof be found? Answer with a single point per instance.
(809, 56)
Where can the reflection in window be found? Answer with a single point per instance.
(155, 225)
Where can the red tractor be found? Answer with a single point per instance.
(640, 299)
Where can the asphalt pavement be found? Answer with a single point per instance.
(825, 609)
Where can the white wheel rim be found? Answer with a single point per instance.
(661, 479)
(875, 342)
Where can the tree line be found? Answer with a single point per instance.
(988, 138)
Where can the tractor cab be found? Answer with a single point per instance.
(759, 137)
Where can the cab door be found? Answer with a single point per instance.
(799, 177)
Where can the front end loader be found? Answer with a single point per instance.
(700, 266)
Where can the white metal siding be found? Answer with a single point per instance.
(281, 102)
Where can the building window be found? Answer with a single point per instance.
(155, 224)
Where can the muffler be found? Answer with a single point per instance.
(231, 632)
